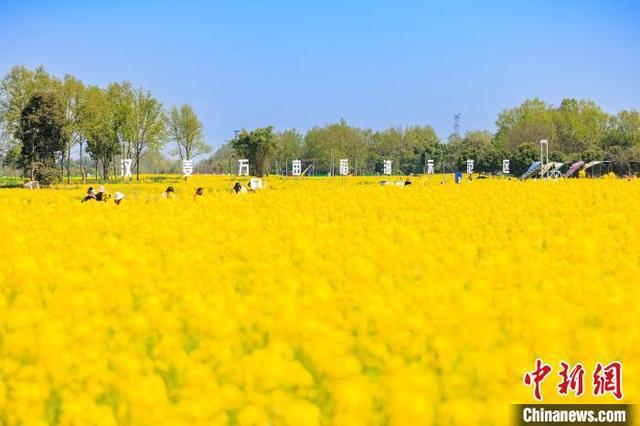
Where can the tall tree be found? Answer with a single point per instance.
(99, 126)
(72, 90)
(477, 145)
(580, 125)
(223, 160)
(185, 130)
(327, 144)
(288, 147)
(16, 89)
(531, 121)
(418, 144)
(41, 130)
(257, 146)
(146, 126)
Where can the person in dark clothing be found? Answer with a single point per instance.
(91, 195)
(237, 188)
(102, 194)
(199, 192)
(169, 192)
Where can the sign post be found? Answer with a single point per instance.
(344, 167)
(243, 167)
(125, 168)
(387, 167)
(469, 166)
(296, 168)
(430, 167)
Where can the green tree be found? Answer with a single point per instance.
(419, 143)
(477, 145)
(41, 130)
(523, 156)
(146, 126)
(71, 91)
(16, 89)
(386, 145)
(288, 147)
(580, 125)
(257, 146)
(328, 144)
(623, 130)
(99, 124)
(185, 130)
(224, 160)
(531, 121)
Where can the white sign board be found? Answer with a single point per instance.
(187, 167)
(469, 166)
(344, 167)
(125, 167)
(387, 167)
(430, 167)
(296, 167)
(243, 167)
(505, 167)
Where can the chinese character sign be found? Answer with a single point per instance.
(243, 167)
(125, 167)
(187, 167)
(430, 167)
(387, 167)
(344, 167)
(296, 167)
(505, 167)
(469, 166)
(606, 379)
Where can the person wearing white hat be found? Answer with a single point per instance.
(101, 195)
(118, 197)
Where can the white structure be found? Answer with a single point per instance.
(243, 167)
(296, 168)
(430, 167)
(187, 167)
(125, 167)
(544, 155)
(469, 166)
(344, 167)
(387, 167)
(505, 167)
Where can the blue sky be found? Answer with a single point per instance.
(245, 64)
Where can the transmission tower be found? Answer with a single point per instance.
(456, 124)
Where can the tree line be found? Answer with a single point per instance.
(43, 118)
(576, 130)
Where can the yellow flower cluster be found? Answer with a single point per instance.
(332, 301)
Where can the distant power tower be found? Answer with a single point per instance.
(456, 124)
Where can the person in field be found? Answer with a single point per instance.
(169, 192)
(199, 193)
(237, 188)
(91, 195)
(407, 182)
(102, 194)
(118, 197)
